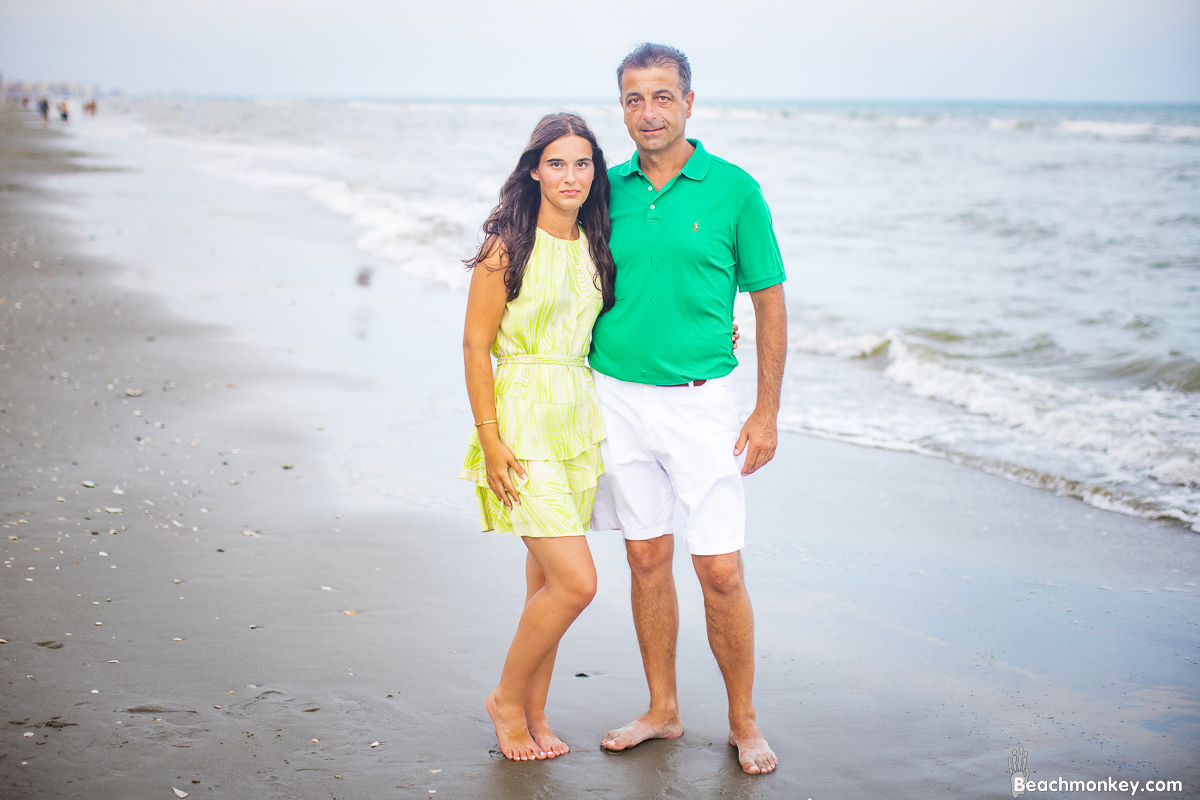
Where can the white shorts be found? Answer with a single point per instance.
(668, 444)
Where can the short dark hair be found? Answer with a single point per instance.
(647, 56)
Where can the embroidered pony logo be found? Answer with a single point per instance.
(695, 227)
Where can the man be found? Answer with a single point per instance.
(688, 230)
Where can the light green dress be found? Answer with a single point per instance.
(546, 403)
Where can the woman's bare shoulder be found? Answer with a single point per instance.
(494, 254)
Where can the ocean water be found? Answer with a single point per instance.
(1016, 288)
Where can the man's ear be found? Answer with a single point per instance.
(688, 98)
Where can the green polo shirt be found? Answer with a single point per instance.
(682, 254)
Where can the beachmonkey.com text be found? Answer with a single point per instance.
(1022, 785)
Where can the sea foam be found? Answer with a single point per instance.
(426, 237)
(1131, 450)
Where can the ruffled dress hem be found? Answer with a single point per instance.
(556, 496)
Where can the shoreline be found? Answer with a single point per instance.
(908, 637)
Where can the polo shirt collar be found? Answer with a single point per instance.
(695, 168)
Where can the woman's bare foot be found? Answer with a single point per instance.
(539, 729)
(755, 756)
(648, 726)
(511, 732)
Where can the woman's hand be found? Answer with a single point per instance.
(736, 335)
(498, 459)
(485, 307)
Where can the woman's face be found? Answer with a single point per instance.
(565, 173)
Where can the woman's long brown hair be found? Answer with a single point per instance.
(513, 222)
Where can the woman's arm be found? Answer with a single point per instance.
(485, 307)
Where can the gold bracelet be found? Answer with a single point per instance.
(485, 422)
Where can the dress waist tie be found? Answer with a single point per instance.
(562, 361)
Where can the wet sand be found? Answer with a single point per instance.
(917, 620)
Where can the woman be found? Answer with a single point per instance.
(541, 278)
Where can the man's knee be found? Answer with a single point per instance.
(720, 574)
(648, 557)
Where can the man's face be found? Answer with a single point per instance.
(655, 109)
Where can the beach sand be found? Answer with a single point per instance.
(265, 618)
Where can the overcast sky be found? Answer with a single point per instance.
(1103, 50)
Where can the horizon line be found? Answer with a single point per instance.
(615, 101)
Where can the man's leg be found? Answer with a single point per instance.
(730, 620)
(635, 496)
(656, 619)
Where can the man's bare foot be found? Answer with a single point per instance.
(755, 756)
(511, 732)
(539, 729)
(647, 726)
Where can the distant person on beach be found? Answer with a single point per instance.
(540, 279)
(688, 231)
(63, 112)
(44, 110)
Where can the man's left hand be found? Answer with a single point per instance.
(758, 438)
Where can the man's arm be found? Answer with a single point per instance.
(759, 435)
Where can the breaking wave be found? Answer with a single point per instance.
(427, 237)
(1136, 450)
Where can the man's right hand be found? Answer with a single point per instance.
(759, 438)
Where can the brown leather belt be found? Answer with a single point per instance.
(700, 382)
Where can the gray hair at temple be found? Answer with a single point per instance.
(648, 56)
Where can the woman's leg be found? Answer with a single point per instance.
(570, 584)
(539, 687)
